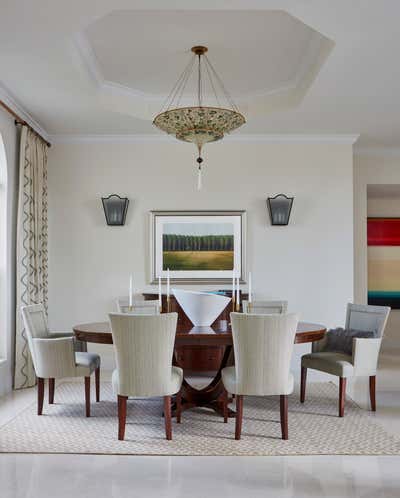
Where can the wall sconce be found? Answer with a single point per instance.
(115, 209)
(279, 208)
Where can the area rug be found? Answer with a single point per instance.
(314, 428)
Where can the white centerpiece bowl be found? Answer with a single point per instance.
(202, 308)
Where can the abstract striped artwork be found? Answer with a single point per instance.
(383, 235)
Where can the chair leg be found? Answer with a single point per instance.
(178, 407)
(97, 381)
(284, 416)
(342, 395)
(51, 391)
(225, 405)
(239, 416)
(372, 392)
(122, 400)
(40, 395)
(303, 384)
(167, 417)
(87, 395)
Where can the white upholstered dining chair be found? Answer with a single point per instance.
(139, 307)
(364, 359)
(143, 346)
(54, 357)
(265, 307)
(263, 346)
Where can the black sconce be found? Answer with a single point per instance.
(115, 208)
(279, 208)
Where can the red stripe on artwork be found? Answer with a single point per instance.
(383, 231)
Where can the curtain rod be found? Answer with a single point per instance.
(20, 121)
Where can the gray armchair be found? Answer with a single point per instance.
(362, 362)
(54, 357)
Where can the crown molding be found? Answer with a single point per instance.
(349, 139)
(11, 101)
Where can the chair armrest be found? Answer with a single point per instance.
(319, 346)
(365, 355)
(55, 335)
(54, 358)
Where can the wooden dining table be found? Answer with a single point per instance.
(219, 334)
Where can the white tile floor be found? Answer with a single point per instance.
(76, 476)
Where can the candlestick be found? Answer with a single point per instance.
(237, 295)
(168, 304)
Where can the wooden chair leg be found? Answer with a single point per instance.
(51, 391)
(372, 392)
(303, 384)
(239, 416)
(342, 395)
(122, 401)
(178, 407)
(167, 417)
(284, 416)
(225, 405)
(40, 395)
(97, 381)
(87, 395)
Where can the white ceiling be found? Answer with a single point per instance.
(295, 66)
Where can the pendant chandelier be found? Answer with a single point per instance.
(201, 123)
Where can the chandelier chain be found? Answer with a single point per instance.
(225, 91)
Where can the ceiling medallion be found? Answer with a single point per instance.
(199, 124)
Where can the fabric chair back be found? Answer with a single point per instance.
(263, 346)
(140, 307)
(367, 318)
(143, 348)
(265, 307)
(35, 323)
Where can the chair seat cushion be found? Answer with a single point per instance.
(173, 385)
(339, 364)
(86, 363)
(232, 386)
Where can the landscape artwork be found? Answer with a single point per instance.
(383, 235)
(198, 245)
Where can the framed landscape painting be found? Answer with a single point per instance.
(197, 246)
(383, 235)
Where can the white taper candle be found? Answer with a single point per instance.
(130, 291)
(250, 296)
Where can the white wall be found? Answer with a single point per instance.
(310, 262)
(8, 134)
(374, 169)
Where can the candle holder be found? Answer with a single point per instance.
(249, 305)
(237, 307)
(160, 308)
(233, 304)
(130, 308)
(168, 304)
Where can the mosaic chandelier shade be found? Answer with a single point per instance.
(201, 123)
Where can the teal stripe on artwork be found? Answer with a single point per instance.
(384, 294)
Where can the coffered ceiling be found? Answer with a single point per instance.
(294, 66)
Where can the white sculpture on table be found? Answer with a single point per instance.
(202, 308)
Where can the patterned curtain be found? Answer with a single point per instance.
(31, 286)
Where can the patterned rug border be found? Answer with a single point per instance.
(366, 415)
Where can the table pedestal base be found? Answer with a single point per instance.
(211, 395)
